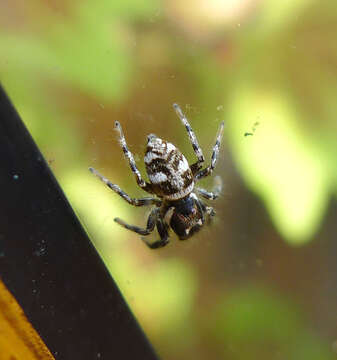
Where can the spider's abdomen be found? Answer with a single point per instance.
(168, 169)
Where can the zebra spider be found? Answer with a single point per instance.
(172, 181)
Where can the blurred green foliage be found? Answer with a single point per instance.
(91, 49)
(253, 323)
(279, 162)
(267, 68)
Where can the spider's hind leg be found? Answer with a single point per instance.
(163, 233)
(151, 221)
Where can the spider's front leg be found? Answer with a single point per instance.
(142, 183)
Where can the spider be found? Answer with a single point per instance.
(172, 181)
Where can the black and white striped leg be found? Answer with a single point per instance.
(202, 209)
(151, 221)
(208, 210)
(208, 170)
(124, 195)
(142, 183)
(163, 233)
(214, 194)
(197, 149)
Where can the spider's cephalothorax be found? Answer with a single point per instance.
(172, 180)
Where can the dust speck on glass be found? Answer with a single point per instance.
(172, 181)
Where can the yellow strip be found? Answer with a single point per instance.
(18, 339)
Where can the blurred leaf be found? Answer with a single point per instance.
(256, 324)
(92, 49)
(278, 161)
(128, 10)
(164, 293)
(251, 314)
(274, 16)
